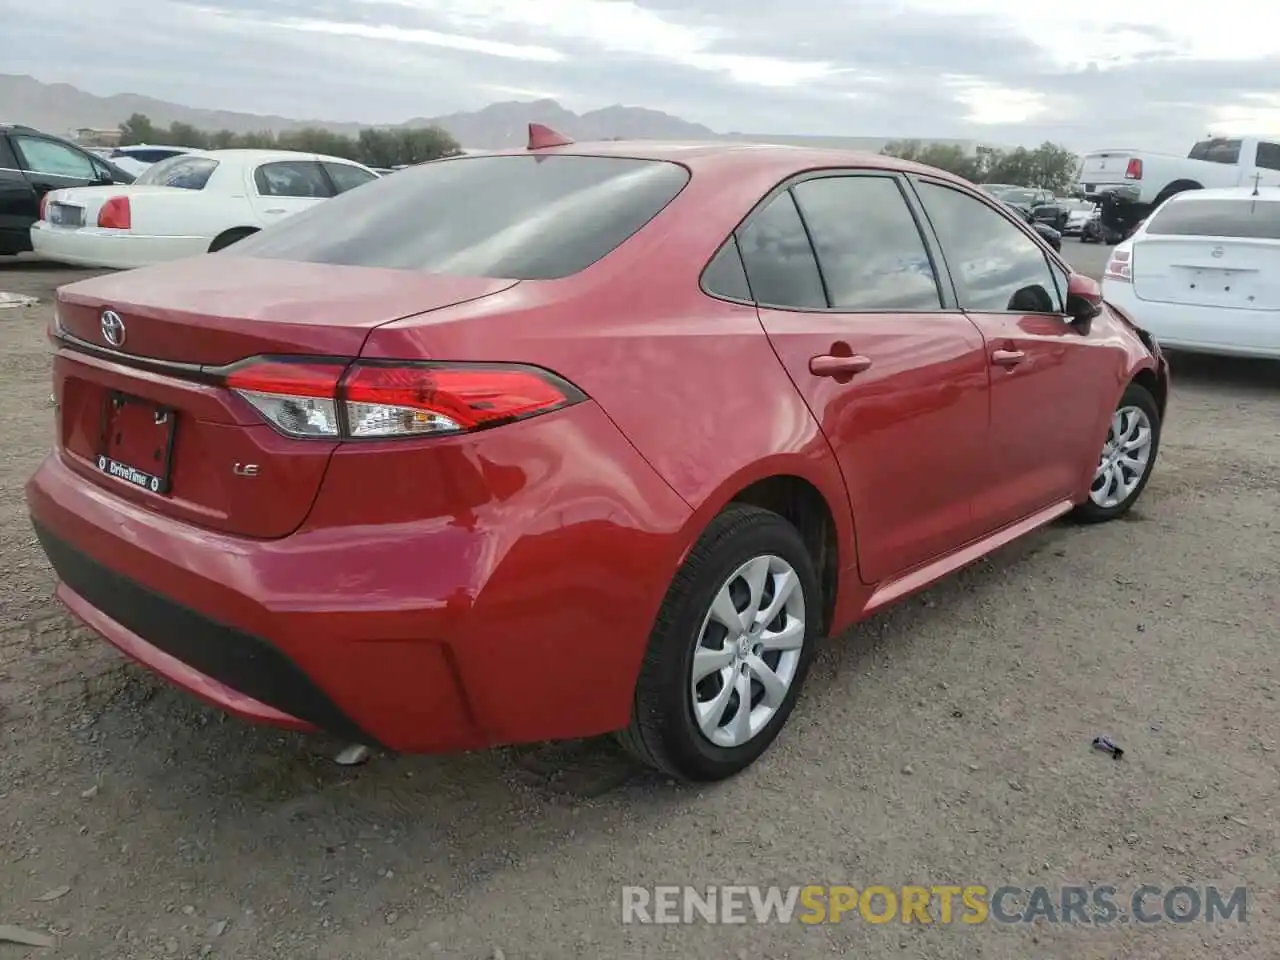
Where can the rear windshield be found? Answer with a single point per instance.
(1216, 150)
(188, 173)
(1247, 218)
(514, 217)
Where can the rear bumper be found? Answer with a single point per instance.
(1127, 192)
(1240, 333)
(525, 618)
(113, 249)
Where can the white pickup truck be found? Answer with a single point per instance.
(1131, 183)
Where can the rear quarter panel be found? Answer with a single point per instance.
(190, 213)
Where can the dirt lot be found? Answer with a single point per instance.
(945, 742)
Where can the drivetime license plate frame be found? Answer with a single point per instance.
(150, 427)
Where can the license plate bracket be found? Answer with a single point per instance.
(136, 444)
(65, 215)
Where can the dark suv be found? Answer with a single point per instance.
(33, 163)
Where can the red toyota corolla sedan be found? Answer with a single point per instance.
(575, 439)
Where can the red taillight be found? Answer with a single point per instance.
(44, 206)
(387, 400)
(115, 214)
(1134, 170)
(297, 398)
(1120, 266)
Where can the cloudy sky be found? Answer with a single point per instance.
(1120, 73)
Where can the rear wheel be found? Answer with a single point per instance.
(1128, 455)
(729, 650)
(228, 237)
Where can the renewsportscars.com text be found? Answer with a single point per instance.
(939, 904)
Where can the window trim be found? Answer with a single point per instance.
(1051, 256)
(942, 275)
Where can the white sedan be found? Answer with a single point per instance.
(1202, 273)
(195, 203)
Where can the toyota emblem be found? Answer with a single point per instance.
(1217, 252)
(112, 328)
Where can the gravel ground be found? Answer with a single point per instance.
(947, 741)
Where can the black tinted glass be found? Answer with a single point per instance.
(869, 247)
(725, 275)
(996, 267)
(1269, 155)
(1216, 151)
(517, 217)
(347, 177)
(1246, 217)
(779, 260)
(292, 178)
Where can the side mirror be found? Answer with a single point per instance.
(1084, 298)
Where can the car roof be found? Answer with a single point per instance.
(709, 157)
(1230, 193)
(245, 155)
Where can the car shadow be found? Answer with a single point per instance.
(1248, 373)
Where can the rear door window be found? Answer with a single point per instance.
(779, 259)
(869, 247)
(292, 178)
(519, 217)
(1246, 218)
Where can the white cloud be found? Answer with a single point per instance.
(993, 105)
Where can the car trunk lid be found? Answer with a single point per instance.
(1240, 274)
(148, 418)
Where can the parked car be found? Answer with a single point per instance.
(556, 442)
(1046, 232)
(1029, 197)
(33, 163)
(1137, 181)
(198, 202)
(1078, 214)
(1202, 273)
(136, 158)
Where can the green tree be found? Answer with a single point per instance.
(374, 147)
(1049, 166)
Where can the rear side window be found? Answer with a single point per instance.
(187, 173)
(1245, 218)
(7, 160)
(347, 177)
(779, 258)
(1268, 156)
(869, 247)
(1216, 150)
(725, 275)
(517, 217)
(292, 178)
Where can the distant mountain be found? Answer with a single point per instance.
(61, 108)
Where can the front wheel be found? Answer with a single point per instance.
(729, 650)
(1127, 458)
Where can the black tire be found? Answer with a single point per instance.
(228, 237)
(663, 732)
(1135, 395)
